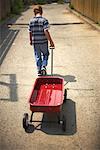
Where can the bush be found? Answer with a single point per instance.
(71, 6)
(60, 1)
(39, 2)
(16, 6)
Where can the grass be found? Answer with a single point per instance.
(17, 7)
(71, 6)
(41, 2)
(10, 16)
(98, 23)
(60, 1)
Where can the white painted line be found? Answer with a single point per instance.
(6, 39)
(8, 45)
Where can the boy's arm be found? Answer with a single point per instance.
(48, 36)
(30, 36)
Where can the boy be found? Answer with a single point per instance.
(39, 37)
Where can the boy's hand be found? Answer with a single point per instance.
(30, 42)
(52, 44)
(47, 34)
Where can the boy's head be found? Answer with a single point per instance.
(37, 10)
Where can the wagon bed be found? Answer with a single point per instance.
(47, 94)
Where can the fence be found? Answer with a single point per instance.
(8, 6)
(4, 8)
(89, 8)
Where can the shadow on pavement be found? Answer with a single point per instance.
(69, 111)
(67, 78)
(7, 36)
(69, 23)
(11, 87)
(50, 125)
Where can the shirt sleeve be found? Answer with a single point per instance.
(46, 25)
(30, 27)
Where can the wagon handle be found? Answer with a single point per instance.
(51, 48)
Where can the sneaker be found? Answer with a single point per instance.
(43, 70)
(39, 73)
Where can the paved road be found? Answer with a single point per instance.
(77, 60)
(7, 36)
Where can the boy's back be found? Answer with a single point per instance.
(36, 27)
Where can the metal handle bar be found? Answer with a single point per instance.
(52, 48)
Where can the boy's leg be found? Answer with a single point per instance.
(38, 56)
(45, 51)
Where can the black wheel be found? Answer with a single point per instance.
(25, 121)
(65, 95)
(64, 123)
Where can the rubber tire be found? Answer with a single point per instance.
(65, 95)
(25, 121)
(64, 123)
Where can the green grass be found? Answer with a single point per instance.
(2, 21)
(41, 2)
(10, 16)
(17, 7)
(98, 23)
(71, 6)
(60, 1)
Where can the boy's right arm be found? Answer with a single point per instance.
(30, 32)
(48, 36)
(30, 36)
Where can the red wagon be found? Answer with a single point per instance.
(48, 95)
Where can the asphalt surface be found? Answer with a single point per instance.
(77, 60)
(7, 36)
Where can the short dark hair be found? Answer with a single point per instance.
(37, 9)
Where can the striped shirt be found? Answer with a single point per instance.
(37, 26)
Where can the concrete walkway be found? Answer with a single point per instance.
(77, 60)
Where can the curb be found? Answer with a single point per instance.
(84, 18)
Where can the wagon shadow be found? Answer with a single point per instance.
(69, 111)
(67, 78)
(50, 125)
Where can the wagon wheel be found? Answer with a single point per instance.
(25, 121)
(63, 123)
(65, 95)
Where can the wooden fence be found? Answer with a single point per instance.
(89, 8)
(4, 8)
